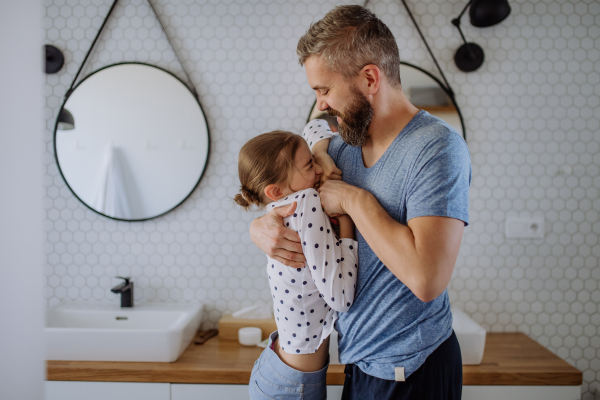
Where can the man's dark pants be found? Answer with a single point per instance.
(439, 378)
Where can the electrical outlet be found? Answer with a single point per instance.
(525, 227)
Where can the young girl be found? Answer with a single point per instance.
(276, 169)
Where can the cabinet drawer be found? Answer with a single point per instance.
(64, 390)
(501, 392)
(228, 392)
(209, 392)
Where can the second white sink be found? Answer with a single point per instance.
(146, 332)
(470, 335)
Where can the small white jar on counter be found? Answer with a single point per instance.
(249, 336)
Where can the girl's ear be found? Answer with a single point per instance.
(273, 191)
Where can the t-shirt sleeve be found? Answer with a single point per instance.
(315, 131)
(439, 183)
(332, 263)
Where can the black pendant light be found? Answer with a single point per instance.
(483, 13)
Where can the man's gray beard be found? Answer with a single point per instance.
(356, 119)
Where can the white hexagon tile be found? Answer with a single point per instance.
(532, 113)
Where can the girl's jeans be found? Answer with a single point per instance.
(272, 379)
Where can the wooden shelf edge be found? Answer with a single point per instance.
(333, 378)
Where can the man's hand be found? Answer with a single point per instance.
(336, 197)
(275, 240)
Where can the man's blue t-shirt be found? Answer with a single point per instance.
(426, 171)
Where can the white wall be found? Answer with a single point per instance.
(22, 367)
(532, 113)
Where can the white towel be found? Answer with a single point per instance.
(111, 194)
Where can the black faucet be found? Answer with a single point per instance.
(126, 290)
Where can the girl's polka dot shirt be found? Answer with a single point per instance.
(306, 300)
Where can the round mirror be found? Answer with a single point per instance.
(131, 141)
(424, 91)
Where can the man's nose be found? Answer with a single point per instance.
(322, 104)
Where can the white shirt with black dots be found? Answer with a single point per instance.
(315, 131)
(306, 300)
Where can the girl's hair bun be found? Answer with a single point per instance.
(247, 197)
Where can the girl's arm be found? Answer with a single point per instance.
(346, 226)
(317, 135)
(315, 131)
(332, 262)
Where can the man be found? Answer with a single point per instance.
(406, 176)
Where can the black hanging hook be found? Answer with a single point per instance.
(190, 85)
(448, 88)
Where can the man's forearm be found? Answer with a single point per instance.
(416, 260)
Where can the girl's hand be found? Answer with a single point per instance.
(330, 171)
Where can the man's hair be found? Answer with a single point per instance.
(348, 38)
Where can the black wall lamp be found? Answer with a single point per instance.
(483, 13)
(54, 59)
(54, 62)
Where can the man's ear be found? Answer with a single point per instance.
(371, 78)
(273, 191)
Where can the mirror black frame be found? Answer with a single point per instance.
(207, 148)
(444, 88)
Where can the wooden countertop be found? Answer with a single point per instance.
(508, 359)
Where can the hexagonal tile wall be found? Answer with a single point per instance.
(532, 117)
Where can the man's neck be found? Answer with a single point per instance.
(392, 112)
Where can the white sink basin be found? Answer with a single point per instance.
(146, 332)
(470, 335)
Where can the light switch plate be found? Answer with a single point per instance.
(525, 227)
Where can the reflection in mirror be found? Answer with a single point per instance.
(139, 144)
(423, 91)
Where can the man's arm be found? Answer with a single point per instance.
(277, 241)
(422, 255)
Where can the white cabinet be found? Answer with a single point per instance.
(63, 390)
(228, 392)
(59, 390)
(180, 391)
(334, 392)
(521, 392)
